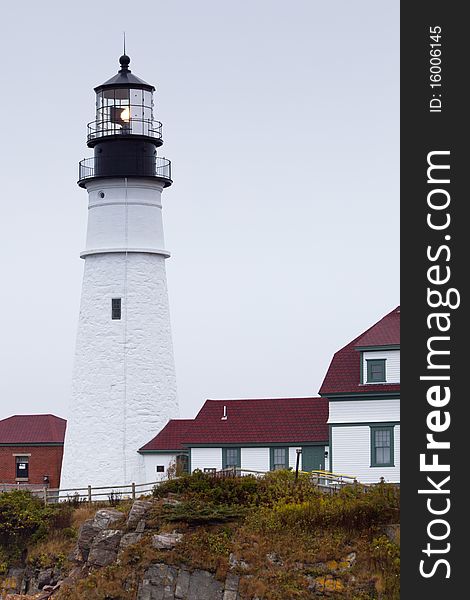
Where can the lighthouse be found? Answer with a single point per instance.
(124, 384)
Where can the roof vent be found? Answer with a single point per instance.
(224, 418)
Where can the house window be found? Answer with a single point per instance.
(279, 458)
(182, 463)
(160, 469)
(22, 467)
(382, 446)
(116, 309)
(376, 371)
(231, 458)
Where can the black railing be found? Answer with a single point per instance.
(139, 166)
(145, 127)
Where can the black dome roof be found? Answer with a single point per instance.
(125, 78)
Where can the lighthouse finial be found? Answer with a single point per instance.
(124, 60)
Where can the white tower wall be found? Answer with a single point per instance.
(124, 385)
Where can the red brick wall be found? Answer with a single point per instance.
(44, 460)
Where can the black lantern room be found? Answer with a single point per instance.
(124, 134)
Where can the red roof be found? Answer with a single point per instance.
(32, 429)
(170, 437)
(275, 420)
(344, 372)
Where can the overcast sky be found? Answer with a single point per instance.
(281, 121)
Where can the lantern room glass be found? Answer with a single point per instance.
(124, 111)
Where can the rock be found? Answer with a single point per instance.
(137, 512)
(166, 541)
(140, 526)
(13, 580)
(106, 517)
(104, 548)
(325, 584)
(231, 582)
(274, 559)
(102, 520)
(163, 582)
(182, 585)
(129, 539)
(45, 578)
(87, 533)
(203, 586)
(158, 583)
(234, 562)
(231, 587)
(393, 533)
(170, 501)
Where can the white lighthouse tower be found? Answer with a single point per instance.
(124, 385)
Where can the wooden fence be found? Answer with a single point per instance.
(324, 480)
(86, 494)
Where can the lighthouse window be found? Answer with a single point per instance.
(116, 309)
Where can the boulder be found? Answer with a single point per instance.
(129, 539)
(182, 585)
(45, 578)
(140, 526)
(171, 501)
(106, 517)
(137, 512)
(163, 582)
(274, 559)
(166, 541)
(87, 533)
(234, 562)
(13, 580)
(203, 586)
(158, 583)
(104, 548)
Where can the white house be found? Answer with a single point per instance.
(166, 450)
(363, 388)
(257, 435)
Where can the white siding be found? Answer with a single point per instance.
(293, 457)
(152, 460)
(364, 411)
(206, 458)
(392, 364)
(352, 455)
(255, 459)
(252, 459)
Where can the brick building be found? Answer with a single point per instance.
(31, 448)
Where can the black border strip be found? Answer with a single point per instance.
(424, 132)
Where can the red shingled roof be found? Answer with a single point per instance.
(32, 429)
(343, 375)
(260, 421)
(170, 437)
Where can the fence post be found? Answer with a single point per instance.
(133, 491)
(44, 491)
(89, 494)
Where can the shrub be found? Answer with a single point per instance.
(198, 513)
(247, 491)
(23, 517)
(352, 508)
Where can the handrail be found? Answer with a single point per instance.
(104, 128)
(150, 166)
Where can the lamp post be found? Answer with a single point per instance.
(299, 452)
